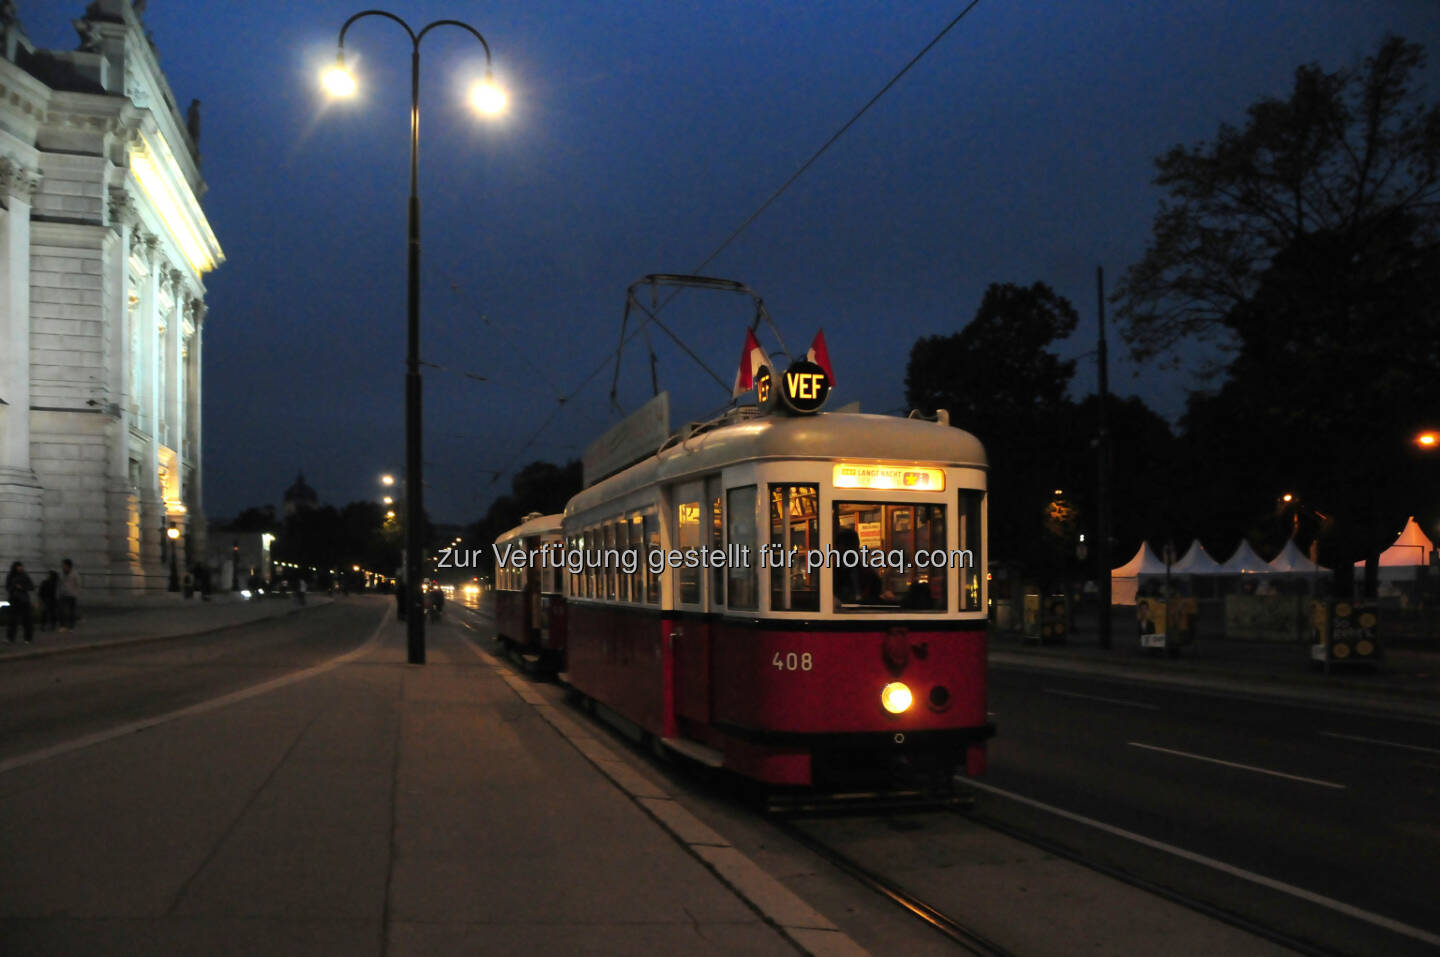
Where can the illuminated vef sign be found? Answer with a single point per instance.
(888, 477)
(765, 389)
(804, 387)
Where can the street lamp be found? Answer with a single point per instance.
(173, 534)
(487, 98)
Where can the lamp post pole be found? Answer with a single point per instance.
(414, 483)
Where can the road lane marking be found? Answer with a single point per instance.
(1096, 697)
(1349, 910)
(1243, 767)
(1388, 744)
(100, 737)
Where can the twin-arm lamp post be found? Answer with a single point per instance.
(486, 98)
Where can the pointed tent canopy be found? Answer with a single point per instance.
(1145, 562)
(1197, 561)
(1125, 580)
(1411, 548)
(1245, 562)
(1293, 561)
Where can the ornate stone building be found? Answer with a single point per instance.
(103, 252)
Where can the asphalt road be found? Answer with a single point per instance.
(1318, 802)
(45, 702)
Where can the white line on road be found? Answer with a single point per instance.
(1388, 744)
(1243, 767)
(99, 737)
(1349, 910)
(1096, 697)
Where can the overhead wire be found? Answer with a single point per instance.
(804, 167)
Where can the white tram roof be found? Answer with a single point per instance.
(833, 435)
(535, 525)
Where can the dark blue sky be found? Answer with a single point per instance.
(640, 135)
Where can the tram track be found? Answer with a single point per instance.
(953, 929)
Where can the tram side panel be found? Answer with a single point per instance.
(621, 658)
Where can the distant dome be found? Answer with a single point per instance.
(300, 496)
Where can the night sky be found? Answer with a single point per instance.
(640, 135)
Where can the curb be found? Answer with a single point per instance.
(1388, 700)
(124, 642)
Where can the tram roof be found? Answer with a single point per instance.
(537, 525)
(850, 436)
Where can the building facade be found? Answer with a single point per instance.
(103, 252)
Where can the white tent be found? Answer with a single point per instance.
(1293, 561)
(1197, 561)
(1399, 562)
(1410, 549)
(1125, 580)
(1245, 562)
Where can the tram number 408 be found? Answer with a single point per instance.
(793, 661)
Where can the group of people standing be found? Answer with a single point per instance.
(58, 595)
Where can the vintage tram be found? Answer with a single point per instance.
(529, 598)
(806, 601)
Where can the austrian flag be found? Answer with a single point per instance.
(819, 355)
(751, 359)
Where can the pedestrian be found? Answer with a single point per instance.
(69, 591)
(49, 601)
(18, 587)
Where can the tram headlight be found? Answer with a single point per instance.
(896, 698)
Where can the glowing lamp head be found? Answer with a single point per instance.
(1428, 440)
(172, 533)
(387, 480)
(338, 80)
(1287, 497)
(896, 698)
(488, 97)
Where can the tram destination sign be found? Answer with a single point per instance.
(888, 477)
(804, 387)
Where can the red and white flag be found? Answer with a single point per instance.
(819, 355)
(751, 359)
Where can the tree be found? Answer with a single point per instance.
(538, 487)
(998, 379)
(1322, 199)
(1307, 245)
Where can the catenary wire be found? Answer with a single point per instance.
(804, 167)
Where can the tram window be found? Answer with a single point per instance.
(890, 556)
(687, 539)
(652, 545)
(622, 542)
(572, 544)
(795, 528)
(971, 541)
(592, 571)
(609, 560)
(637, 548)
(717, 541)
(741, 592)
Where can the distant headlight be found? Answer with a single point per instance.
(896, 697)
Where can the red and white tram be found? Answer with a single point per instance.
(828, 669)
(529, 591)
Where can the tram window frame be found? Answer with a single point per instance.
(714, 522)
(593, 587)
(899, 524)
(688, 510)
(635, 522)
(970, 527)
(742, 588)
(652, 544)
(608, 569)
(784, 595)
(622, 542)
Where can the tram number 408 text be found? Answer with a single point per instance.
(793, 661)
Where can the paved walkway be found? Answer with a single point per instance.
(375, 807)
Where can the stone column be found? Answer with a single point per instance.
(21, 505)
(152, 510)
(122, 503)
(195, 499)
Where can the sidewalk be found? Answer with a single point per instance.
(152, 618)
(374, 807)
(1407, 680)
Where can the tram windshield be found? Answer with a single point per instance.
(889, 556)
